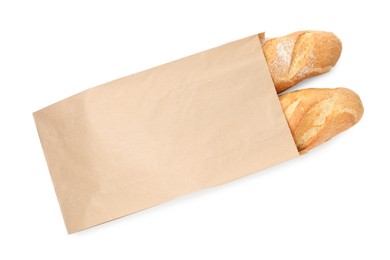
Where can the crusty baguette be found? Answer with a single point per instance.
(300, 55)
(316, 115)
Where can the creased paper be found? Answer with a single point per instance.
(162, 133)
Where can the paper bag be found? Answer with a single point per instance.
(148, 138)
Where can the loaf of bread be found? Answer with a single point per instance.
(300, 55)
(316, 115)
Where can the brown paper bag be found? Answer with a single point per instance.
(162, 133)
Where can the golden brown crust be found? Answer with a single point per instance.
(316, 115)
(300, 55)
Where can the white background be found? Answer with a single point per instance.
(333, 203)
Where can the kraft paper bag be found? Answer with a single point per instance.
(148, 138)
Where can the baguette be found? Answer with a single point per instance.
(300, 55)
(316, 115)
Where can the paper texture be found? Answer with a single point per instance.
(159, 134)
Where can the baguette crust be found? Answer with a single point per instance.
(300, 55)
(316, 115)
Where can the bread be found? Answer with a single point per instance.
(316, 115)
(300, 55)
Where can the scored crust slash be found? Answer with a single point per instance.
(314, 115)
(191, 124)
